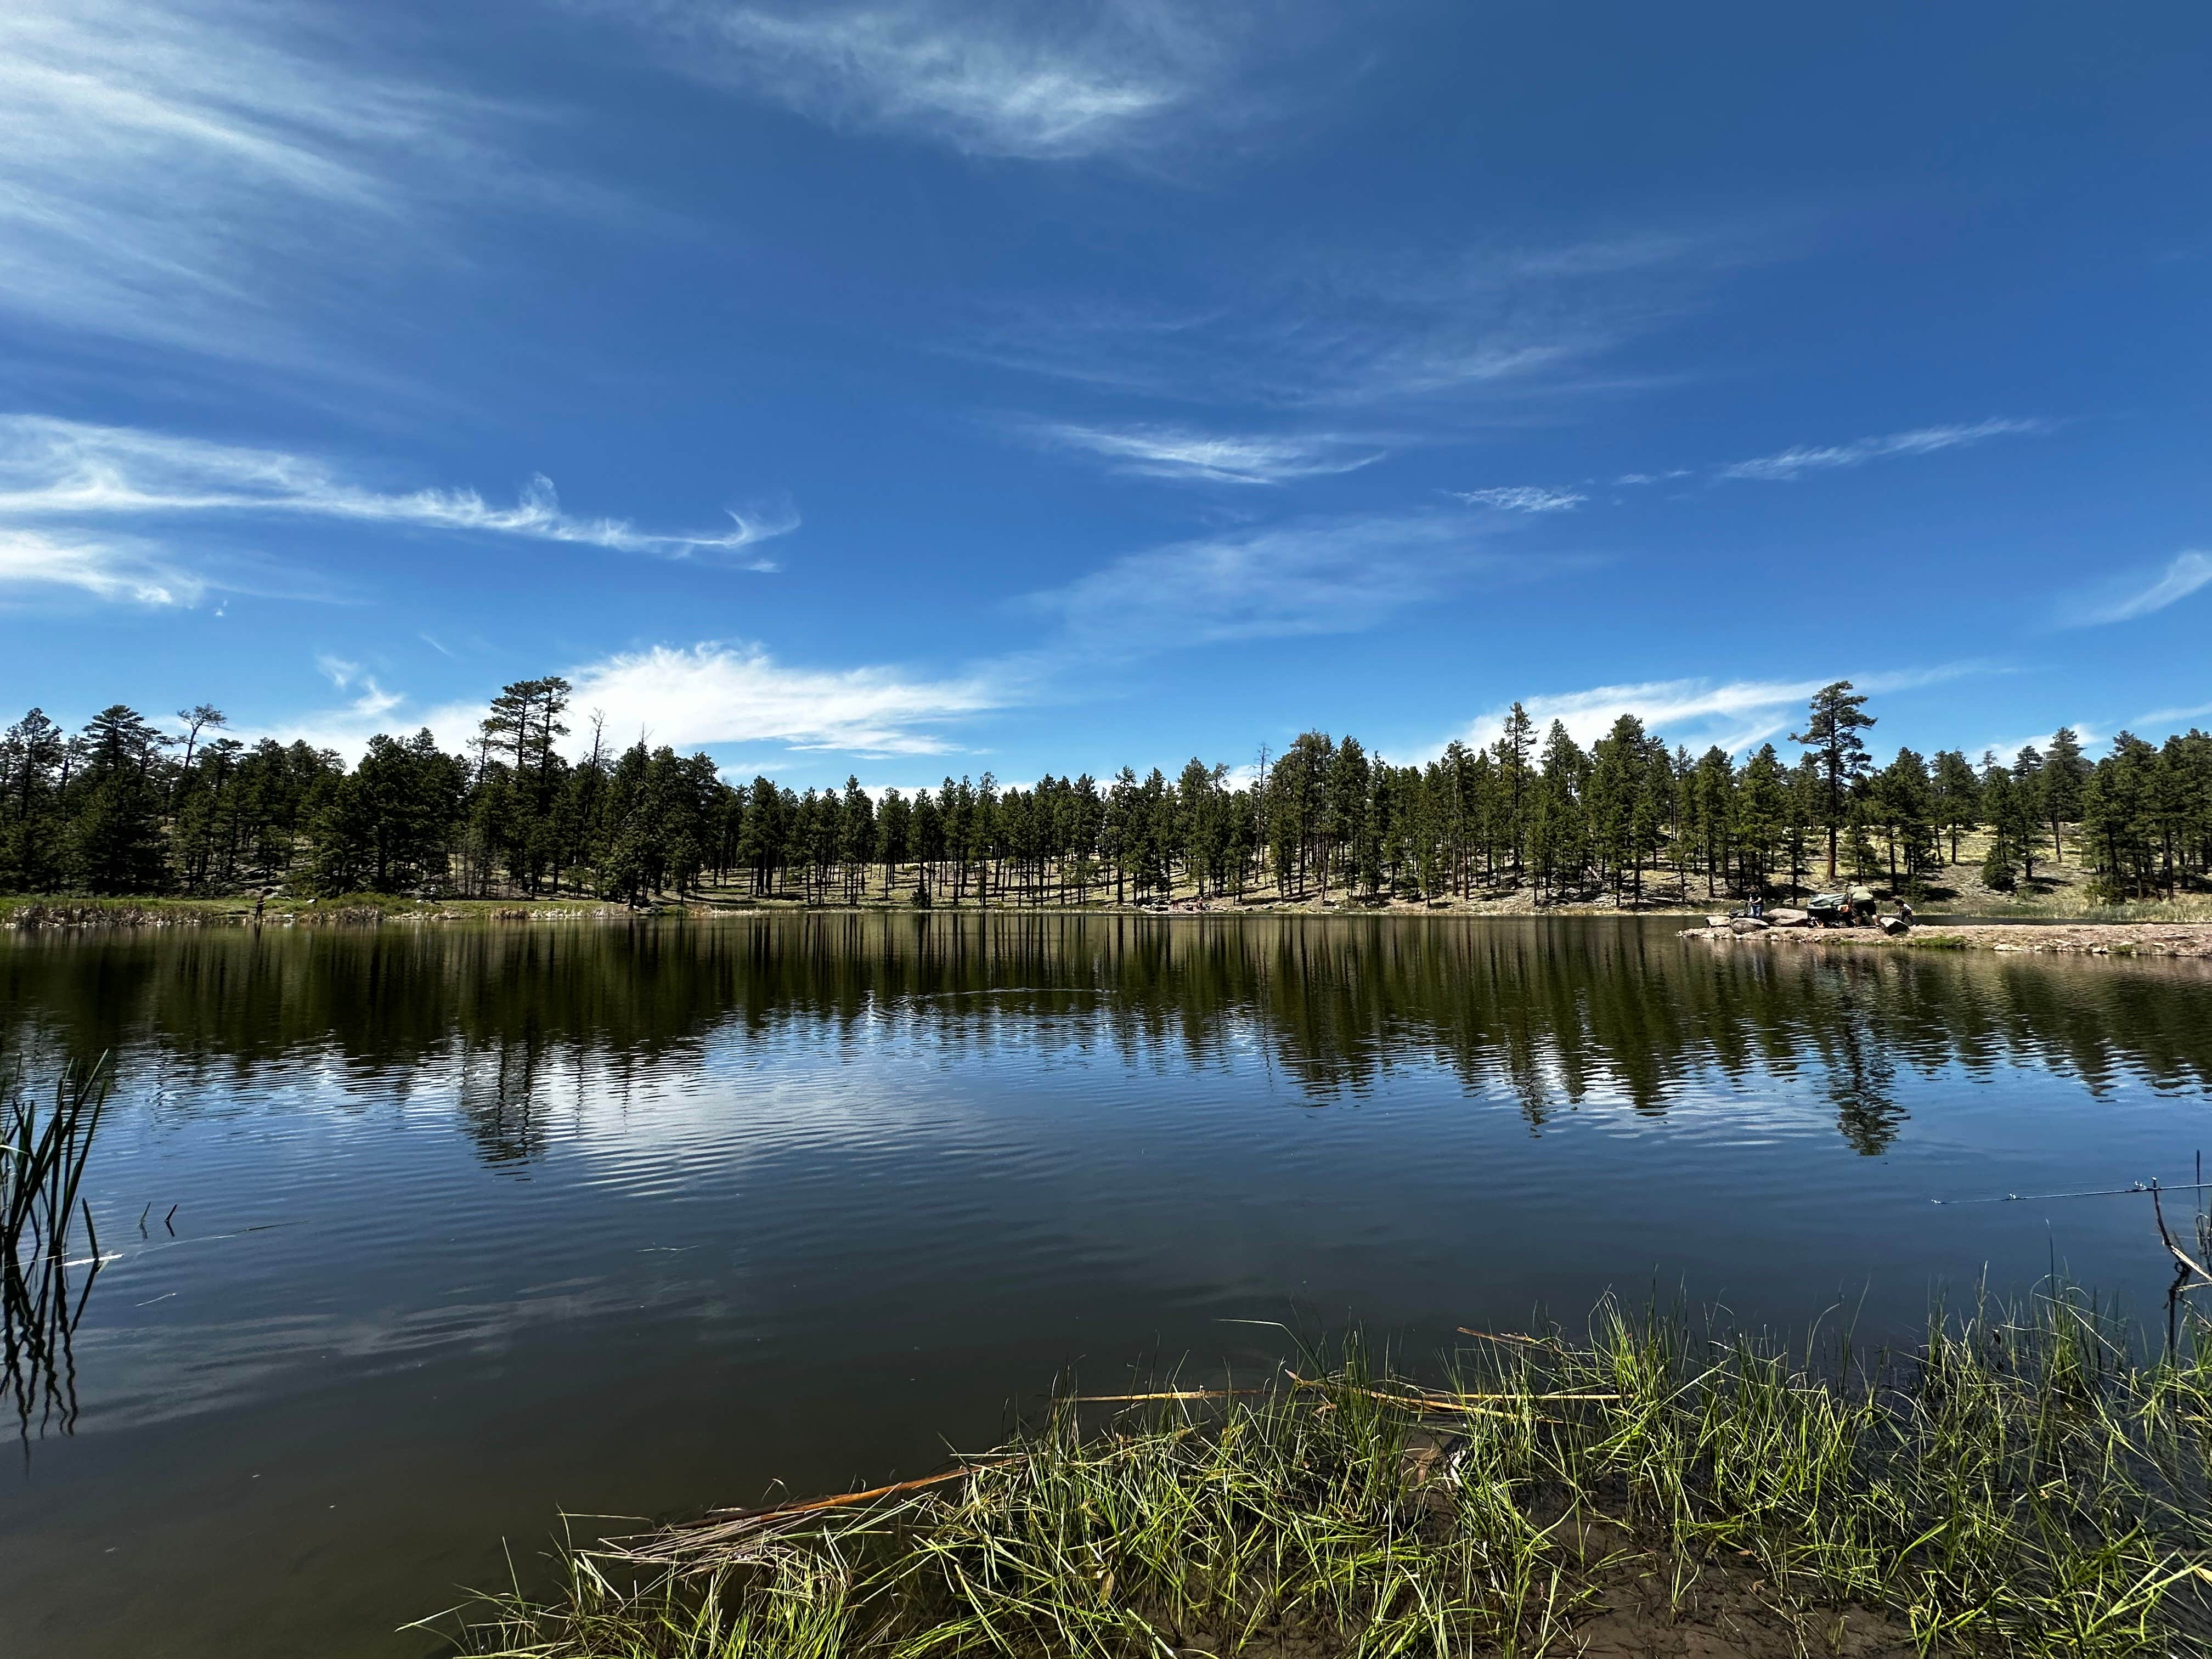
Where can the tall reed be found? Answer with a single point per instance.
(42, 1162)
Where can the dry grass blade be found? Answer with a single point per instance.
(675, 1544)
(1164, 1394)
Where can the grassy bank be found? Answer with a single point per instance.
(2018, 1486)
(368, 907)
(351, 909)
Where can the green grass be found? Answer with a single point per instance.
(62, 912)
(2019, 1486)
(362, 907)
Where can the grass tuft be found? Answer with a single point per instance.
(2019, 1486)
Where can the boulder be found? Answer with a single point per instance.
(1789, 919)
(1747, 925)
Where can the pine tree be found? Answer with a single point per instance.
(1804, 815)
(31, 754)
(2066, 772)
(2025, 800)
(1901, 800)
(2116, 816)
(1958, 795)
(1714, 794)
(1762, 812)
(1515, 745)
(1838, 716)
(1615, 802)
(1998, 874)
(114, 811)
(115, 842)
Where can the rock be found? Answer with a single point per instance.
(1789, 919)
(1747, 925)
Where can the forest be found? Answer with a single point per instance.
(129, 806)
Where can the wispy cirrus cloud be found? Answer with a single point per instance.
(336, 669)
(1795, 462)
(55, 471)
(119, 569)
(1330, 575)
(2169, 720)
(178, 172)
(1520, 498)
(1163, 452)
(2185, 573)
(1366, 328)
(987, 77)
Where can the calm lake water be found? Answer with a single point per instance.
(475, 1225)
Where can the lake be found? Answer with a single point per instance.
(421, 1235)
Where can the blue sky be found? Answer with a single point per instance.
(907, 388)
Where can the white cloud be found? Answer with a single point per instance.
(107, 569)
(2169, 718)
(1653, 477)
(52, 469)
(1178, 452)
(180, 173)
(1318, 576)
(1736, 714)
(689, 698)
(2187, 572)
(373, 703)
(990, 79)
(2091, 736)
(716, 694)
(1520, 498)
(1922, 441)
(1363, 328)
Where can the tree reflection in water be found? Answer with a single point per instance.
(1550, 1014)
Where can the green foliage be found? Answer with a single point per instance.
(125, 808)
(1838, 715)
(1998, 873)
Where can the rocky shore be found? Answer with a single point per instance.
(2103, 939)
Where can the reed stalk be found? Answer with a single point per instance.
(44, 1148)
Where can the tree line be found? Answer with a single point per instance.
(128, 807)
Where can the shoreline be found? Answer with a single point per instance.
(2026, 934)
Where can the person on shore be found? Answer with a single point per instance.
(1903, 912)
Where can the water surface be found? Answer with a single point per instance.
(475, 1223)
